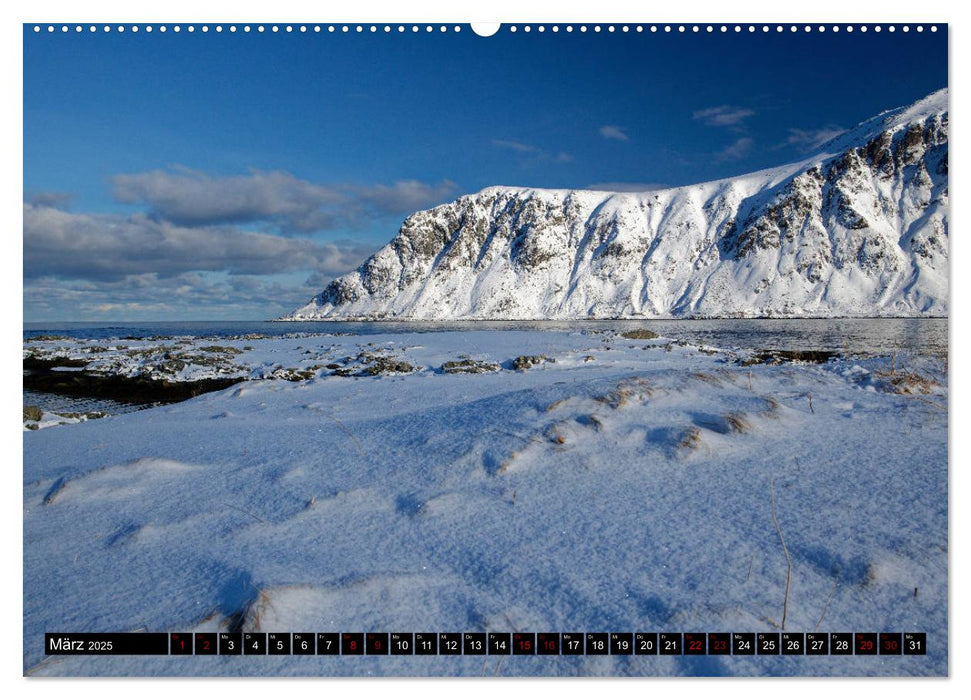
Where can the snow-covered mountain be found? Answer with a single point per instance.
(860, 229)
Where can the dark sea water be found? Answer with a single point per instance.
(867, 336)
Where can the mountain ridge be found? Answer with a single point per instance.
(858, 229)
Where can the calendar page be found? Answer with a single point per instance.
(447, 349)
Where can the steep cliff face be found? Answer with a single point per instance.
(858, 230)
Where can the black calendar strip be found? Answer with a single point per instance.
(488, 643)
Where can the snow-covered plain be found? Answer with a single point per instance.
(625, 486)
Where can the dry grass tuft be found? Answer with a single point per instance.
(771, 407)
(690, 439)
(707, 378)
(737, 423)
(32, 413)
(639, 334)
(629, 389)
(785, 549)
(249, 618)
(909, 382)
(615, 398)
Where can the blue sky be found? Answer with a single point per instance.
(231, 175)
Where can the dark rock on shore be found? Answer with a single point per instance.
(40, 375)
(777, 357)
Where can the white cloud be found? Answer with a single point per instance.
(513, 145)
(531, 153)
(723, 115)
(191, 198)
(614, 132)
(809, 139)
(405, 196)
(109, 247)
(147, 296)
(739, 149)
(59, 200)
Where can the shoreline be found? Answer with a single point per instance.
(156, 369)
(611, 319)
(385, 319)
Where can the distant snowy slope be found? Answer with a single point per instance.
(860, 229)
